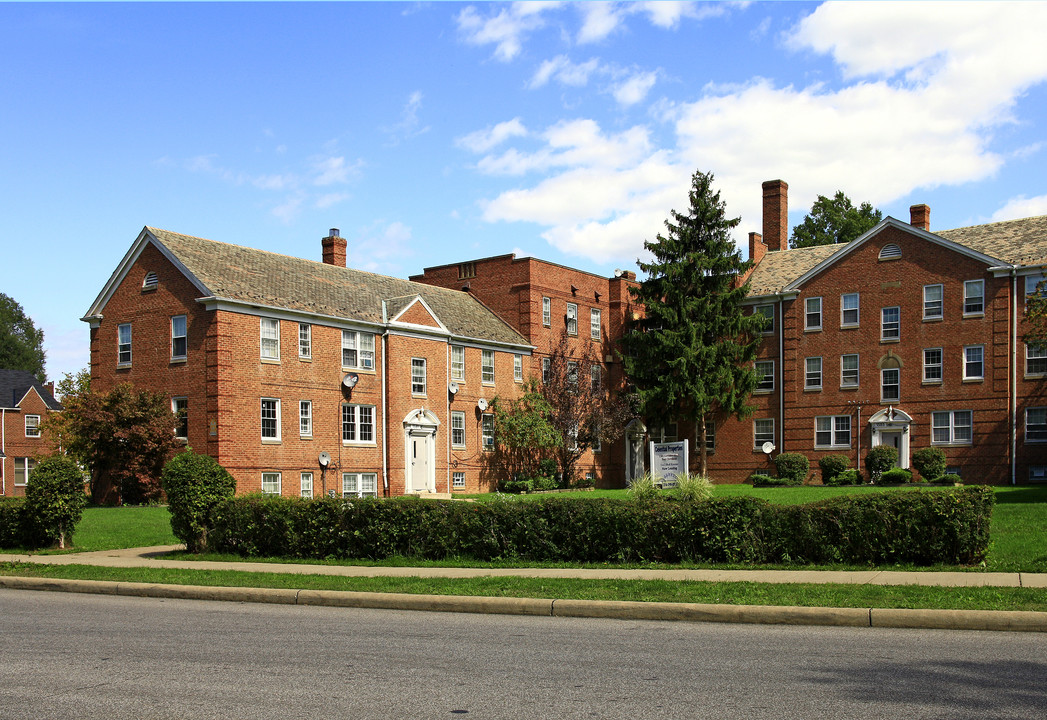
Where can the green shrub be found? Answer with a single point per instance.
(929, 462)
(194, 484)
(692, 487)
(792, 467)
(831, 466)
(760, 480)
(950, 478)
(895, 476)
(847, 477)
(54, 502)
(643, 489)
(879, 460)
(11, 535)
(545, 482)
(516, 486)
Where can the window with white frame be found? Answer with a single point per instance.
(32, 426)
(418, 376)
(487, 367)
(974, 362)
(849, 370)
(306, 485)
(547, 311)
(23, 469)
(359, 484)
(812, 374)
(270, 338)
(572, 319)
(1037, 473)
(458, 363)
(763, 432)
(767, 311)
(546, 369)
(890, 323)
(932, 365)
(457, 429)
(271, 483)
(179, 339)
(812, 314)
(357, 423)
(572, 375)
(518, 368)
(974, 297)
(597, 444)
(849, 310)
(270, 419)
(951, 427)
(595, 323)
(1036, 359)
(764, 375)
(890, 384)
(1033, 284)
(458, 480)
(596, 378)
(305, 418)
(669, 432)
(710, 435)
(305, 341)
(1036, 424)
(932, 302)
(487, 431)
(180, 408)
(123, 344)
(357, 350)
(832, 431)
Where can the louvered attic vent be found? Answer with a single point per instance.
(151, 281)
(890, 251)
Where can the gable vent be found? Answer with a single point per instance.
(890, 251)
(151, 281)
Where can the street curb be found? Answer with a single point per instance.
(1014, 621)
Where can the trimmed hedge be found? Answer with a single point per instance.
(11, 523)
(832, 466)
(792, 467)
(923, 528)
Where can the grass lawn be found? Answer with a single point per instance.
(112, 528)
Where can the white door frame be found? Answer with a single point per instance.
(892, 420)
(420, 424)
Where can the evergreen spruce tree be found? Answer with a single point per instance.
(692, 353)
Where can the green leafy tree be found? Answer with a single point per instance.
(21, 342)
(692, 353)
(834, 220)
(1036, 316)
(194, 485)
(55, 500)
(524, 434)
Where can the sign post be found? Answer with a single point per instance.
(668, 462)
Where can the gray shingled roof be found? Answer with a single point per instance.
(264, 278)
(14, 384)
(778, 269)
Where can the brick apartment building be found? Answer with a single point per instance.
(25, 404)
(304, 377)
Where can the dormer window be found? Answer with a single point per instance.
(151, 281)
(890, 251)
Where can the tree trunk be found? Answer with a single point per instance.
(703, 455)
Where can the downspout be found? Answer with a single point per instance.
(447, 410)
(3, 451)
(781, 374)
(385, 403)
(1014, 376)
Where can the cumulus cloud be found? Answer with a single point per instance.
(1021, 207)
(634, 88)
(561, 69)
(483, 140)
(506, 29)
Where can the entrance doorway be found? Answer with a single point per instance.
(420, 427)
(890, 427)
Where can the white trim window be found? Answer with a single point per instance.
(891, 323)
(951, 427)
(768, 312)
(359, 485)
(179, 338)
(32, 426)
(123, 344)
(763, 432)
(1032, 285)
(357, 350)
(305, 418)
(832, 431)
(305, 342)
(572, 375)
(764, 376)
(547, 369)
(518, 368)
(547, 311)
(487, 431)
(23, 469)
(572, 318)
(849, 310)
(933, 301)
(932, 365)
(271, 482)
(270, 419)
(1036, 360)
(849, 370)
(974, 297)
(487, 367)
(458, 363)
(418, 375)
(358, 424)
(180, 408)
(890, 385)
(812, 319)
(812, 379)
(974, 362)
(596, 378)
(269, 338)
(457, 429)
(1036, 424)
(458, 480)
(595, 323)
(306, 484)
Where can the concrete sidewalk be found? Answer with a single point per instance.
(863, 617)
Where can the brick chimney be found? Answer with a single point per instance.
(334, 248)
(920, 216)
(776, 214)
(756, 247)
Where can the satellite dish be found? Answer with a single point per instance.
(324, 459)
(453, 388)
(767, 447)
(350, 380)
(482, 404)
(617, 272)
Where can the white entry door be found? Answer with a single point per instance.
(419, 457)
(893, 438)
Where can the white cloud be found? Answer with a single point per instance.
(381, 246)
(571, 144)
(333, 170)
(1021, 207)
(409, 125)
(288, 210)
(635, 88)
(488, 138)
(506, 30)
(330, 200)
(564, 71)
(600, 19)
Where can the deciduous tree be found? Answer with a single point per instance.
(834, 220)
(21, 342)
(524, 433)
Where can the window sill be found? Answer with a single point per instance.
(974, 315)
(123, 366)
(304, 359)
(933, 319)
(271, 441)
(951, 444)
(850, 327)
(1034, 376)
(812, 390)
(889, 340)
(812, 329)
(849, 387)
(833, 447)
(305, 437)
(362, 371)
(270, 361)
(357, 443)
(974, 380)
(179, 361)
(763, 392)
(931, 382)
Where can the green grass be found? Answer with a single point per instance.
(112, 528)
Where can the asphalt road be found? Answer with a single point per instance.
(90, 656)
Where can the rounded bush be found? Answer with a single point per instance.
(896, 476)
(951, 478)
(54, 501)
(831, 466)
(929, 462)
(194, 484)
(879, 460)
(792, 467)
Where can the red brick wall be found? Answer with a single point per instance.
(16, 444)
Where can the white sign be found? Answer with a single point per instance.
(668, 461)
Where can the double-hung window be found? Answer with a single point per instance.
(813, 374)
(595, 323)
(974, 362)
(23, 469)
(357, 350)
(270, 419)
(123, 344)
(596, 378)
(849, 370)
(932, 302)
(572, 375)
(457, 429)
(306, 484)
(518, 368)
(458, 363)
(180, 408)
(357, 423)
(849, 310)
(951, 427)
(832, 431)
(932, 365)
(32, 426)
(546, 370)
(890, 323)
(572, 319)
(974, 297)
(418, 376)
(271, 483)
(179, 341)
(458, 480)
(359, 485)
(305, 341)
(767, 311)
(487, 431)
(763, 432)
(270, 338)
(1036, 359)
(305, 418)
(812, 314)
(1036, 424)
(487, 367)
(547, 311)
(1033, 285)
(890, 385)
(764, 375)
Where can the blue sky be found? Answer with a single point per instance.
(438, 132)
